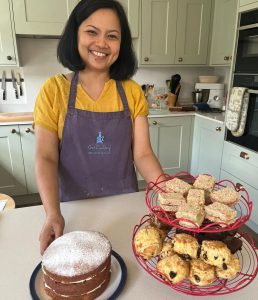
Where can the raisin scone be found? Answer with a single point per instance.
(215, 253)
(148, 241)
(201, 273)
(175, 268)
(167, 250)
(185, 244)
(229, 270)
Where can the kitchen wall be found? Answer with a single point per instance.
(38, 61)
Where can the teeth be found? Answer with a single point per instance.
(98, 53)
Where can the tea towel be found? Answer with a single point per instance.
(243, 115)
(234, 108)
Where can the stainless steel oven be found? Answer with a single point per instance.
(247, 43)
(250, 137)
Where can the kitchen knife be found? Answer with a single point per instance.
(14, 84)
(3, 85)
(19, 83)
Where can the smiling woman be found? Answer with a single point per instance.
(91, 125)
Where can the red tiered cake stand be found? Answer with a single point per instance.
(244, 207)
(248, 261)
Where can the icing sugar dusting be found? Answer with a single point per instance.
(76, 253)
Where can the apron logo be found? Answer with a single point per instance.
(99, 148)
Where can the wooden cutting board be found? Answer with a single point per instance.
(16, 117)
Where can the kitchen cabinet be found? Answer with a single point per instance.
(175, 32)
(17, 160)
(207, 148)
(193, 29)
(171, 140)
(8, 47)
(41, 17)
(223, 32)
(245, 5)
(253, 196)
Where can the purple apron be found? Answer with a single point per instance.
(96, 151)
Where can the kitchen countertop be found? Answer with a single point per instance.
(27, 117)
(115, 216)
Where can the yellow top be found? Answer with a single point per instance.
(52, 101)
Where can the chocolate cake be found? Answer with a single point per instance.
(76, 266)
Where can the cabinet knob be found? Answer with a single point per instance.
(154, 122)
(244, 155)
(29, 130)
(226, 57)
(218, 128)
(13, 131)
(239, 186)
(230, 57)
(9, 57)
(180, 59)
(146, 58)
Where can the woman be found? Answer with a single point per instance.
(91, 125)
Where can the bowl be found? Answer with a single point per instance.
(208, 79)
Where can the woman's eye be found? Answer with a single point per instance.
(113, 37)
(91, 32)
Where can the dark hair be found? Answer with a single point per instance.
(67, 51)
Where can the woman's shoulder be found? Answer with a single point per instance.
(56, 81)
(131, 83)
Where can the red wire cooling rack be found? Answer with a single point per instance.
(244, 207)
(248, 260)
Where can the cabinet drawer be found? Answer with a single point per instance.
(253, 195)
(241, 162)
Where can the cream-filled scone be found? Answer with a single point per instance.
(204, 182)
(195, 214)
(219, 212)
(178, 186)
(170, 201)
(195, 197)
(226, 196)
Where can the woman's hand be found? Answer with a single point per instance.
(52, 229)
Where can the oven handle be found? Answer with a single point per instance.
(251, 26)
(252, 91)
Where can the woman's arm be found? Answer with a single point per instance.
(47, 155)
(144, 158)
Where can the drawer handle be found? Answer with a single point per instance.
(244, 155)
(218, 128)
(226, 58)
(146, 58)
(180, 59)
(13, 131)
(239, 186)
(154, 122)
(29, 130)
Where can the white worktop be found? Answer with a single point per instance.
(114, 216)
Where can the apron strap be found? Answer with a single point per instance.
(73, 90)
(123, 97)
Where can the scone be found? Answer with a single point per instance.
(201, 273)
(215, 253)
(171, 201)
(195, 214)
(195, 197)
(204, 182)
(148, 241)
(185, 244)
(219, 212)
(178, 186)
(226, 196)
(167, 250)
(175, 268)
(230, 270)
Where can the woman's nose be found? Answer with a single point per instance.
(101, 42)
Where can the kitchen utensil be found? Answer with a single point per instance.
(14, 84)
(208, 79)
(3, 85)
(19, 83)
(175, 79)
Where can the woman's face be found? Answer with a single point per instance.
(99, 39)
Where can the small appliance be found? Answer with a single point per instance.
(212, 93)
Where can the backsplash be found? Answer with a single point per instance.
(38, 62)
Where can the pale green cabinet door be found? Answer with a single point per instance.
(132, 10)
(207, 148)
(39, 17)
(8, 48)
(170, 140)
(158, 32)
(223, 32)
(28, 150)
(12, 177)
(193, 28)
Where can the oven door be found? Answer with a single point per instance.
(247, 50)
(250, 137)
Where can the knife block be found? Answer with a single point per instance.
(171, 100)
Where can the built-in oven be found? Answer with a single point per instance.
(247, 43)
(250, 137)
